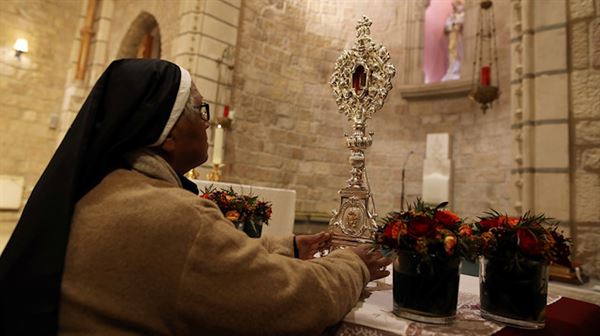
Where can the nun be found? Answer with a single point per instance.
(114, 240)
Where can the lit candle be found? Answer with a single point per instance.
(485, 76)
(226, 111)
(218, 143)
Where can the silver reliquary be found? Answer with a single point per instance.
(360, 83)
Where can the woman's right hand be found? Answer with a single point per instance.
(375, 261)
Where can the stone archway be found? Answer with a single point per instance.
(142, 40)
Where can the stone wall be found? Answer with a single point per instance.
(584, 82)
(288, 132)
(165, 12)
(32, 89)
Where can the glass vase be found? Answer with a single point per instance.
(513, 295)
(426, 290)
(253, 230)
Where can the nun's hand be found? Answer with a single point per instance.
(309, 245)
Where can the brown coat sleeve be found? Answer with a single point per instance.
(283, 245)
(232, 285)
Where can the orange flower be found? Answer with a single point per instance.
(449, 244)
(486, 237)
(232, 215)
(510, 221)
(205, 196)
(465, 230)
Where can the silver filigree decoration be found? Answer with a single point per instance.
(366, 62)
(360, 82)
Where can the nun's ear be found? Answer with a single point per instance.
(168, 145)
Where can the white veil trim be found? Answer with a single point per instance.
(183, 95)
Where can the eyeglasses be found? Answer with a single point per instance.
(203, 109)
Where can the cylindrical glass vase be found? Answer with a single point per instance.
(426, 290)
(253, 230)
(513, 295)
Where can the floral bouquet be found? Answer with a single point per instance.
(521, 239)
(513, 274)
(427, 231)
(428, 243)
(246, 212)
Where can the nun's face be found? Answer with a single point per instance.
(189, 136)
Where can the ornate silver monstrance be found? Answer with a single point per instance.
(360, 83)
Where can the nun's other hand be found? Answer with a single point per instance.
(309, 245)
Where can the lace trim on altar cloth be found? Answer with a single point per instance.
(384, 323)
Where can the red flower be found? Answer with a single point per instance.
(205, 196)
(421, 226)
(527, 241)
(394, 229)
(488, 223)
(446, 217)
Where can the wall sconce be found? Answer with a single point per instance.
(21, 46)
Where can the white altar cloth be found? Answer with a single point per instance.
(283, 204)
(373, 315)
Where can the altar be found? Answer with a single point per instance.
(283, 203)
(373, 316)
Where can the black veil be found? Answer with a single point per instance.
(127, 109)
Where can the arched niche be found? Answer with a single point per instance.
(142, 39)
(435, 41)
(414, 85)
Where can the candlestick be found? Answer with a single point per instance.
(218, 142)
(214, 174)
(191, 174)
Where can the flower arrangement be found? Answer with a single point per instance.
(427, 231)
(244, 211)
(427, 243)
(526, 238)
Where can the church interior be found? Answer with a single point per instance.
(264, 66)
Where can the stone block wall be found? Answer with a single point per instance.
(584, 103)
(193, 33)
(32, 89)
(288, 132)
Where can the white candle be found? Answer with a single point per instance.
(218, 143)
